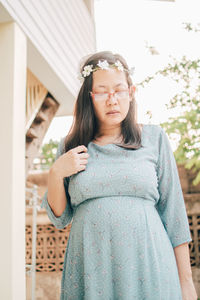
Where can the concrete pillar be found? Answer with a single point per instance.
(13, 53)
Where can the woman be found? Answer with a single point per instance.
(122, 191)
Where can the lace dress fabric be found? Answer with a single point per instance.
(128, 213)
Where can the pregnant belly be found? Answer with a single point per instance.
(122, 237)
(124, 219)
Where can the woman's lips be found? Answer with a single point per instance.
(113, 113)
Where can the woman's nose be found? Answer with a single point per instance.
(112, 97)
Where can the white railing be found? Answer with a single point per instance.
(33, 203)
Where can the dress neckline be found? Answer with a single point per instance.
(114, 144)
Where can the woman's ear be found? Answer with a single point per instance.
(133, 88)
(132, 91)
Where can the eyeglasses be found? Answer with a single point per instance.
(104, 96)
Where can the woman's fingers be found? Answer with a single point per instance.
(83, 161)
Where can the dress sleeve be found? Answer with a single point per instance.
(171, 205)
(66, 217)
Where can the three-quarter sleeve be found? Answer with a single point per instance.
(67, 215)
(171, 205)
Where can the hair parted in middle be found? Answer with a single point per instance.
(85, 125)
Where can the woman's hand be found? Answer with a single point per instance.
(188, 290)
(71, 162)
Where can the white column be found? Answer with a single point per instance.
(13, 53)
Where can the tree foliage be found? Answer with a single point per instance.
(186, 124)
(48, 154)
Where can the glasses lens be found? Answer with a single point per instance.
(122, 94)
(100, 96)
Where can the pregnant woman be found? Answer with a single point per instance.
(116, 182)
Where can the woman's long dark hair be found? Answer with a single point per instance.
(85, 126)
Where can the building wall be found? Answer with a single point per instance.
(59, 33)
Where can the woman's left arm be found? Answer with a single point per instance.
(182, 255)
(172, 211)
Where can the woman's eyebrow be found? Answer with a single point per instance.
(100, 85)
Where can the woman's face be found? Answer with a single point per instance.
(109, 81)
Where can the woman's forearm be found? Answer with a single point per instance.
(182, 255)
(56, 193)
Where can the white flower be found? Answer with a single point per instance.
(103, 64)
(87, 70)
(119, 65)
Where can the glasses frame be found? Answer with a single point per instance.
(129, 89)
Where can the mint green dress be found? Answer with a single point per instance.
(128, 213)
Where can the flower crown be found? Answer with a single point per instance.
(103, 65)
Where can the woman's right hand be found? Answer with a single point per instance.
(71, 162)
